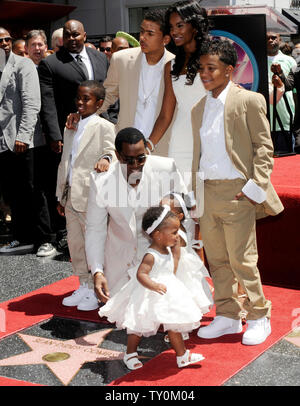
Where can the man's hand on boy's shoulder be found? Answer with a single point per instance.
(102, 165)
(72, 121)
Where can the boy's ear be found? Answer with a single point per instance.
(180, 216)
(166, 39)
(99, 103)
(229, 69)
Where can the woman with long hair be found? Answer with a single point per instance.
(188, 27)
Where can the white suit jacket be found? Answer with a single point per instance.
(97, 140)
(114, 238)
(122, 83)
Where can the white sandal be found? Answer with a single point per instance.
(131, 361)
(187, 359)
(185, 336)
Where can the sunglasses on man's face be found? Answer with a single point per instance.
(129, 160)
(6, 39)
(103, 49)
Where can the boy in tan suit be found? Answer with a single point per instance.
(234, 153)
(89, 147)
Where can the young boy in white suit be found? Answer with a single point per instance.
(89, 147)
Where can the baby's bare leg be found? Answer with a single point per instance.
(177, 343)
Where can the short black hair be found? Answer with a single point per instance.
(152, 214)
(96, 87)
(157, 15)
(129, 135)
(106, 38)
(223, 48)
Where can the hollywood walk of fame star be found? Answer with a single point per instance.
(64, 358)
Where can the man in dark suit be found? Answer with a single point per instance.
(60, 74)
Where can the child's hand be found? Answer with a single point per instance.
(160, 288)
(241, 195)
(102, 165)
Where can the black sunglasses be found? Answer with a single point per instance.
(130, 160)
(6, 39)
(107, 49)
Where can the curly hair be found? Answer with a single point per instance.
(223, 48)
(152, 214)
(190, 12)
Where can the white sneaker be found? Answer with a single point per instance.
(257, 331)
(76, 296)
(46, 250)
(89, 301)
(220, 326)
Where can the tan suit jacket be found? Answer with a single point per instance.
(97, 140)
(122, 83)
(248, 142)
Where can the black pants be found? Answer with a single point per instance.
(28, 185)
(16, 177)
(50, 226)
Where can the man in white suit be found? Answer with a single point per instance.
(117, 202)
(19, 108)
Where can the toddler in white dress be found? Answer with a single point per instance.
(155, 296)
(191, 270)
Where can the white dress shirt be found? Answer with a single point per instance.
(76, 141)
(215, 162)
(149, 85)
(86, 61)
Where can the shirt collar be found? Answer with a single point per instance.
(83, 53)
(222, 96)
(83, 121)
(157, 65)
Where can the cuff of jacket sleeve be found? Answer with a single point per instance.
(254, 192)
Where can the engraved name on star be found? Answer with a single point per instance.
(64, 358)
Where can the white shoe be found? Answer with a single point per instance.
(76, 296)
(188, 358)
(257, 331)
(220, 326)
(46, 250)
(89, 301)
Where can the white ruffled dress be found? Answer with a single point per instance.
(142, 311)
(192, 272)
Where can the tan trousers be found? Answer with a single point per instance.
(75, 222)
(228, 229)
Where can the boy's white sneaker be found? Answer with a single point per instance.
(76, 296)
(257, 331)
(89, 301)
(220, 326)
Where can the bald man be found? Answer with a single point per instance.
(60, 74)
(118, 44)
